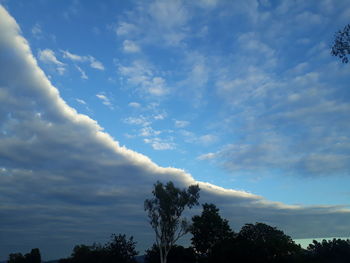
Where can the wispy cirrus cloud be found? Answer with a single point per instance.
(48, 56)
(94, 63)
(141, 76)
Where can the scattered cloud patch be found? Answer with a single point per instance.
(141, 76)
(159, 144)
(82, 73)
(48, 56)
(134, 105)
(181, 124)
(77, 58)
(140, 120)
(81, 101)
(130, 46)
(37, 31)
(105, 100)
(207, 156)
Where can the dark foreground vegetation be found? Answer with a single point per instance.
(213, 241)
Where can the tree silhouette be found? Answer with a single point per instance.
(263, 243)
(165, 211)
(121, 249)
(209, 229)
(336, 250)
(341, 45)
(176, 255)
(32, 257)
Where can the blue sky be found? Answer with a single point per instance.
(243, 97)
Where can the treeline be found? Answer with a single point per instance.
(212, 241)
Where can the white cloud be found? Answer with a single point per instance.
(140, 75)
(130, 46)
(141, 120)
(82, 72)
(81, 101)
(206, 156)
(159, 144)
(48, 56)
(160, 116)
(164, 21)
(181, 124)
(96, 64)
(207, 139)
(77, 58)
(125, 28)
(37, 31)
(148, 131)
(105, 100)
(134, 104)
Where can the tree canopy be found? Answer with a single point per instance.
(165, 213)
(209, 229)
(341, 45)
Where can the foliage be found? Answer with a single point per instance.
(32, 257)
(118, 250)
(165, 211)
(341, 46)
(265, 243)
(256, 243)
(209, 229)
(177, 254)
(336, 250)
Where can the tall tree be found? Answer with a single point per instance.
(165, 213)
(209, 229)
(341, 45)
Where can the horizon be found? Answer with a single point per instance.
(98, 101)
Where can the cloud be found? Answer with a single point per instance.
(60, 170)
(48, 56)
(181, 124)
(130, 46)
(82, 72)
(164, 21)
(37, 31)
(77, 58)
(134, 104)
(141, 75)
(160, 144)
(125, 28)
(105, 100)
(81, 101)
(140, 120)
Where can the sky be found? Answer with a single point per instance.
(100, 99)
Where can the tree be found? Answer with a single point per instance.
(209, 229)
(16, 258)
(121, 249)
(165, 211)
(263, 243)
(34, 256)
(341, 45)
(336, 250)
(177, 254)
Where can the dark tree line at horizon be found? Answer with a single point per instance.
(212, 241)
